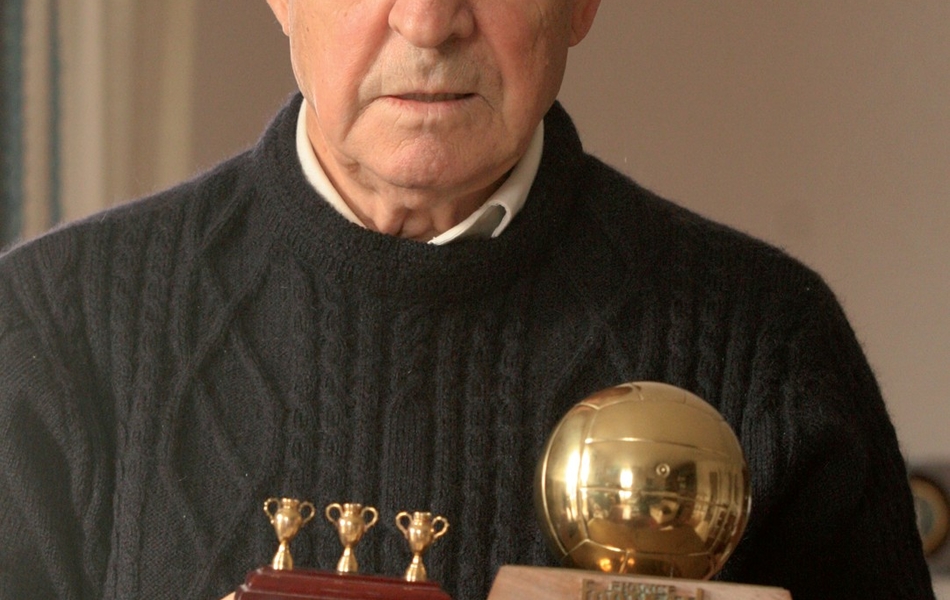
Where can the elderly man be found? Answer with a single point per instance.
(391, 299)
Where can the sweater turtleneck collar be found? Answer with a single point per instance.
(397, 268)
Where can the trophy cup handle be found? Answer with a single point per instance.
(270, 512)
(445, 527)
(371, 511)
(310, 513)
(329, 512)
(399, 519)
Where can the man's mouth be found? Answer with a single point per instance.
(432, 97)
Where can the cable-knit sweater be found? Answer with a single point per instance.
(168, 365)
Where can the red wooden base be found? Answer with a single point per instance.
(307, 584)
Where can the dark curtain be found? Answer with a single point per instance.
(11, 121)
(20, 214)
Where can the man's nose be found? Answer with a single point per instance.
(431, 23)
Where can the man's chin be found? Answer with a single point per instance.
(438, 171)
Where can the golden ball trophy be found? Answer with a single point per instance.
(642, 492)
(645, 487)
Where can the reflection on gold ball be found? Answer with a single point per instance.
(643, 478)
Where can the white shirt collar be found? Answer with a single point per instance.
(511, 196)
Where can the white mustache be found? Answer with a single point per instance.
(428, 77)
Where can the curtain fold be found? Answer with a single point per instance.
(11, 122)
(29, 145)
(95, 106)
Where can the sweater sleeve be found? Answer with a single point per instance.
(52, 458)
(841, 523)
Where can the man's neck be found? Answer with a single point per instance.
(412, 214)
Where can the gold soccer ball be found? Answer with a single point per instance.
(643, 478)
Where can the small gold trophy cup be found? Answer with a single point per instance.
(352, 520)
(287, 515)
(421, 530)
(645, 486)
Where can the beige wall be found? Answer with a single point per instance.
(821, 126)
(244, 75)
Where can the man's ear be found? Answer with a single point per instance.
(279, 8)
(582, 19)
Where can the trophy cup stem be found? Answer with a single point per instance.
(283, 561)
(417, 569)
(347, 563)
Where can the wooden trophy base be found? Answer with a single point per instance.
(307, 584)
(518, 583)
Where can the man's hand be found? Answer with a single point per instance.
(229, 596)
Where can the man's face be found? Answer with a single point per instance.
(428, 95)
